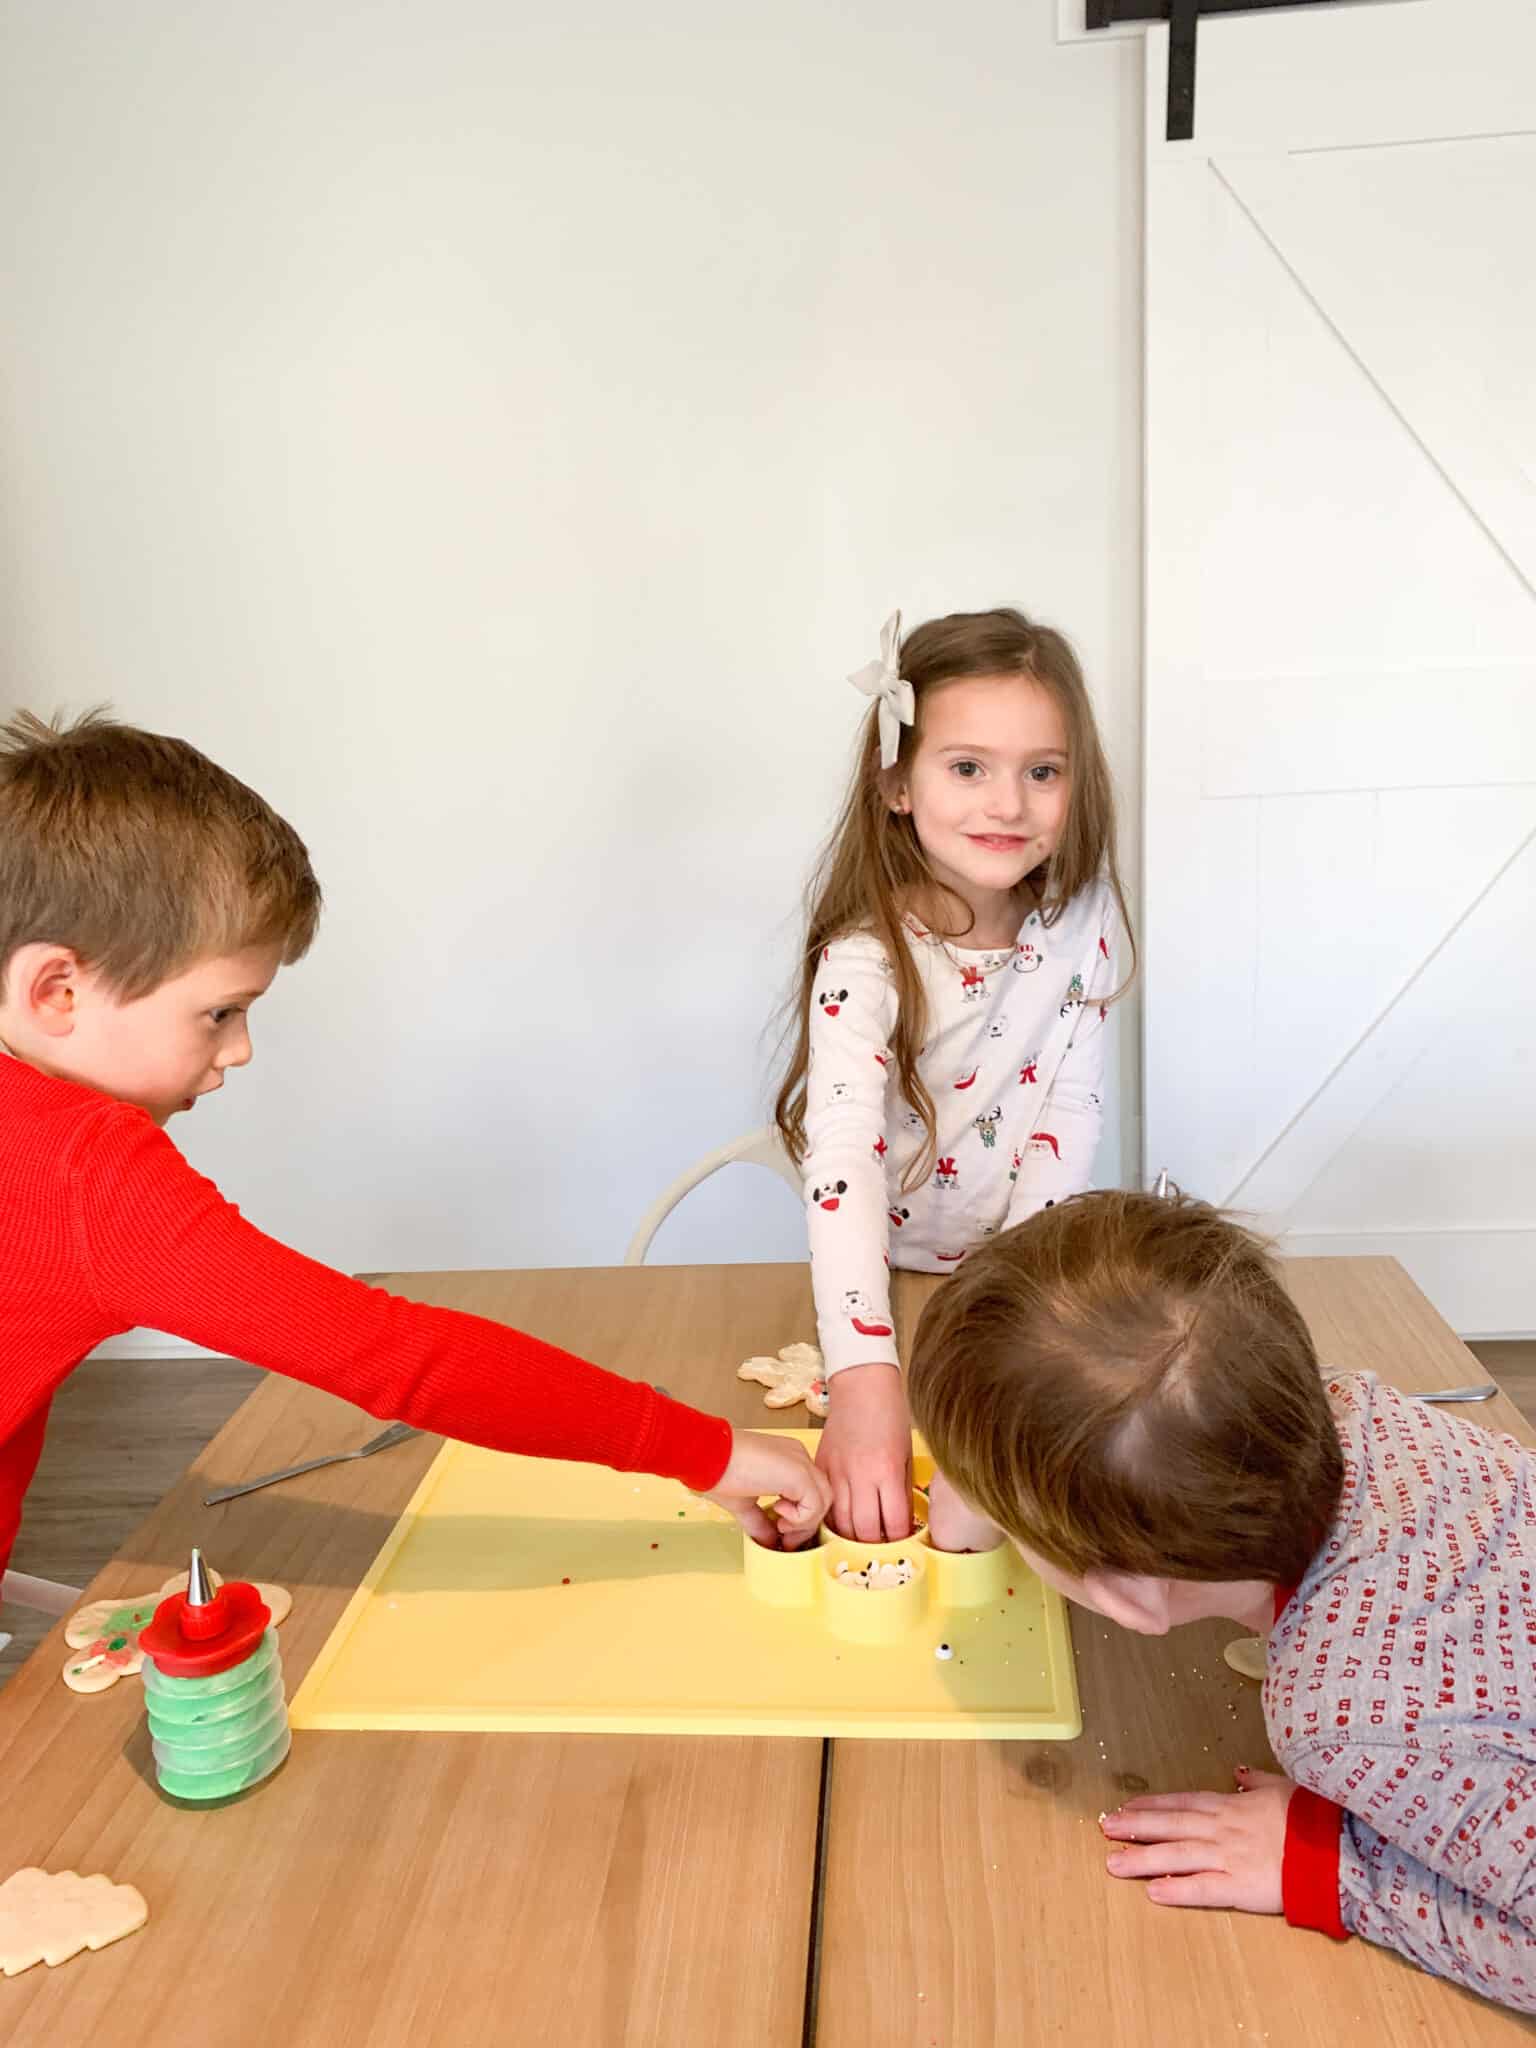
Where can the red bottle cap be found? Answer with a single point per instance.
(184, 1646)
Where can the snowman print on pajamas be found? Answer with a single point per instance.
(829, 1194)
(1026, 958)
(987, 1124)
(860, 1311)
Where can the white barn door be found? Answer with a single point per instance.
(1340, 799)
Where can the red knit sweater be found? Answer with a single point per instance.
(104, 1226)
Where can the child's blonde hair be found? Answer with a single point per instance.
(140, 854)
(873, 864)
(1123, 1384)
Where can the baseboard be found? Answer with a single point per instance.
(151, 1344)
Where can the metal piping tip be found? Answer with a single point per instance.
(199, 1586)
(1161, 1190)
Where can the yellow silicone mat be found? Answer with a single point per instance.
(520, 1593)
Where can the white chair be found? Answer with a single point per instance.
(758, 1148)
(47, 1596)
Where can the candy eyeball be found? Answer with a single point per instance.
(944, 1653)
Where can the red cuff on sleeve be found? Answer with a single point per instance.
(1309, 1871)
(686, 1444)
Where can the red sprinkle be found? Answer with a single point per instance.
(565, 1582)
(1010, 1592)
(655, 1546)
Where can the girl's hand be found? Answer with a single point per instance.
(866, 1454)
(770, 1466)
(953, 1524)
(1207, 1848)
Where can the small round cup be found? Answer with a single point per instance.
(781, 1578)
(963, 1578)
(878, 1617)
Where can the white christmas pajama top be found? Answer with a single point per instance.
(1014, 1061)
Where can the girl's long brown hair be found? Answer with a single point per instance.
(872, 868)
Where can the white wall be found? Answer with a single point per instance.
(494, 430)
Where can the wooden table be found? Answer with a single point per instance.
(406, 1891)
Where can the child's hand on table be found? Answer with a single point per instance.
(764, 1466)
(1207, 1848)
(953, 1524)
(866, 1454)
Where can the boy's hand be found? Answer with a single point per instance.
(762, 1466)
(1207, 1848)
(866, 1453)
(953, 1524)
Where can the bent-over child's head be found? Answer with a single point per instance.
(146, 898)
(1125, 1388)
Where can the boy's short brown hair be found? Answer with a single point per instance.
(140, 854)
(1123, 1384)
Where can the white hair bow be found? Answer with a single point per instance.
(882, 679)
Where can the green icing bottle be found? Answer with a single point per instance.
(213, 1684)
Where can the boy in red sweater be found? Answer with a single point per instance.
(147, 899)
(1124, 1388)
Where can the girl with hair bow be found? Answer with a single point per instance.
(964, 933)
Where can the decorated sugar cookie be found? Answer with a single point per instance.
(104, 1634)
(795, 1375)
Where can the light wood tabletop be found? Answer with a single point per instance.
(405, 1891)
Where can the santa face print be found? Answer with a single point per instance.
(831, 1000)
(829, 1194)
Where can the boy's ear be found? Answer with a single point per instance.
(45, 982)
(1136, 1603)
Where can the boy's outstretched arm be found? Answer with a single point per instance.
(161, 1247)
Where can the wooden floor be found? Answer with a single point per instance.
(123, 1430)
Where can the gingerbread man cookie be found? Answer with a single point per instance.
(105, 1633)
(795, 1375)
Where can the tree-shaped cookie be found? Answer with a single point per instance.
(49, 1916)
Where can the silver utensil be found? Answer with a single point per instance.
(397, 1433)
(1485, 1391)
